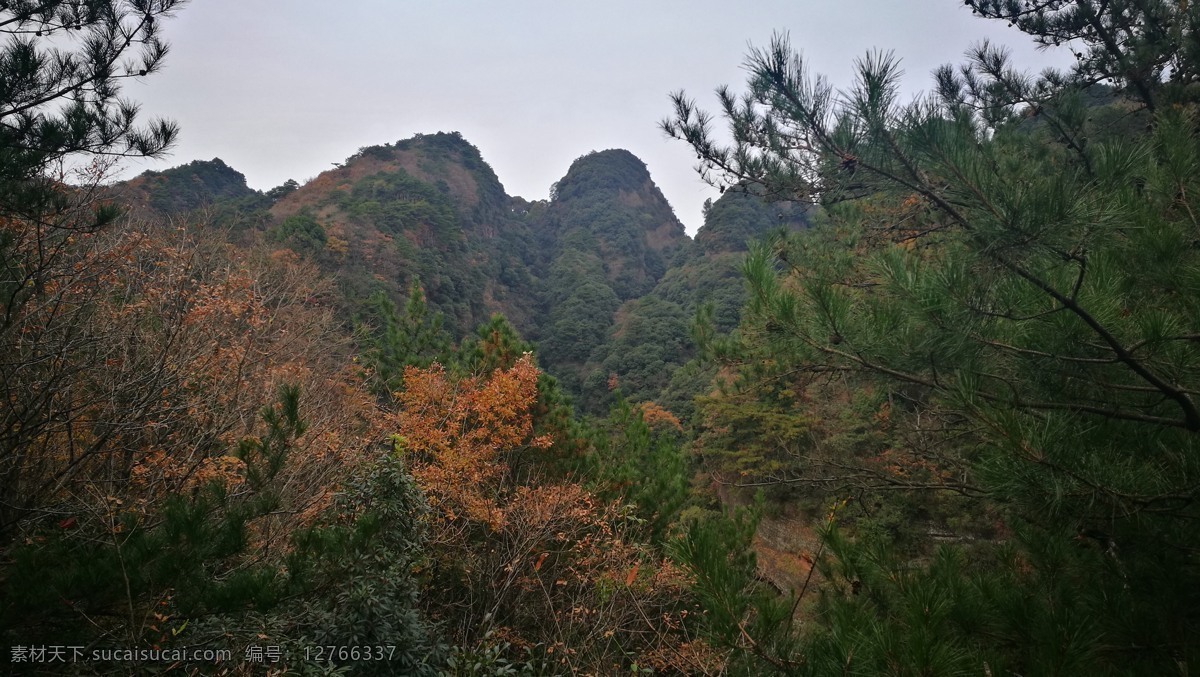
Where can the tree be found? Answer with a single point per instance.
(60, 93)
(544, 564)
(130, 561)
(745, 622)
(1139, 45)
(158, 369)
(393, 341)
(496, 345)
(282, 190)
(59, 104)
(358, 568)
(637, 458)
(1002, 258)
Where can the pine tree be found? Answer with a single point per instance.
(1006, 259)
(642, 466)
(1148, 47)
(61, 66)
(395, 340)
(123, 565)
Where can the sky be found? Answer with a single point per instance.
(283, 90)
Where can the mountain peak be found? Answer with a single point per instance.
(612, 170)
(444, 159)
(184, 188)
(608, 207)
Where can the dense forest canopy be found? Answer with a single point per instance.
(922, 396)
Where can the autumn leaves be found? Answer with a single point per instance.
(460, 431)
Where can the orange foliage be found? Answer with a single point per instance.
(655, 416)
(544, 566)
(165, 348)
(459, 432)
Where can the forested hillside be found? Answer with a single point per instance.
(570, 273)
(194, 186)
(612, 235)
(922, 395)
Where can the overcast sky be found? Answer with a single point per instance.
(284, 89)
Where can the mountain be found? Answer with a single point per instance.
(425, 209)
(710, 270)
(602, 277)
(649, 349)
(186, 188)
(611, 235)
(607, 205)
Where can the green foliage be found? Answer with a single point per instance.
(1025, 293)
(194, 185)
(1149, 48)
(651, 340)
(740, 616)
(707, 279)
(392, 341)
(450, 147)
(740, 217)
(118, 566)
(751, 435)
(60, 98)
(428, 208)
(580, 323)
(612, 234)
(399, 203)
(302, 232)
(359, 565)
(969, 608)
(496, 345)
(608, 171)
(488, 659)
(641, 466)
(690, 379)
(282, 190)
(649, 343)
